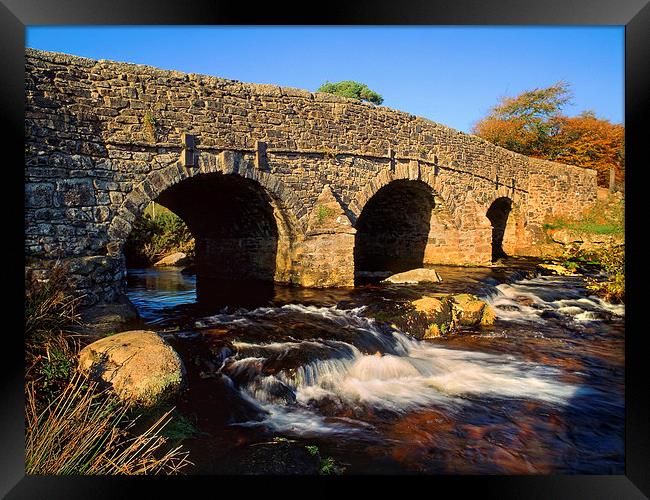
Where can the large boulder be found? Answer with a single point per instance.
(175, 259)
(138, 365)
(420, 275)
(441, 314)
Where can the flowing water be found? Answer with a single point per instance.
(542, 391)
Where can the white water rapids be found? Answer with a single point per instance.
(385, 370)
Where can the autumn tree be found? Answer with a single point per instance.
(351, 89)
(591, 142)
(528, 122)
(533, 124)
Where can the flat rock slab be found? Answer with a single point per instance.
(139, 366)
(174, 259)
(421, 275)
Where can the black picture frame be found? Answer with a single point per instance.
(15, 15)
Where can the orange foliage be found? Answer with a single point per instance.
(590, 142)
(532, 124)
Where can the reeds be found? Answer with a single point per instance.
(50, 306)
(86, 431)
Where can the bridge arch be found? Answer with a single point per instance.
(386, 176)
(503, 215)
(242, 220)
(405, 224)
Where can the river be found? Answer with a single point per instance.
(276, 373)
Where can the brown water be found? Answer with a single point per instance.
(540, 392)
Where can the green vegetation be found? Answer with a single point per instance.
(323, 212)
(50, 345)
(71, 426)
(327, 466)
(157, 233)
(606, 217)
(612, 261)
(351, 89)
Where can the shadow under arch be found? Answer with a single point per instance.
(393, 229)
(242, 242)
(498, 214)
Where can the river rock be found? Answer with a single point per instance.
(174, 259)
(469, 310)
(439, 315)
(436, 309)
(420, 275)
(435, 316)
(138, 365)
(556, 269)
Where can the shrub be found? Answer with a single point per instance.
(351, 89)
(612, 261)
(153, 237)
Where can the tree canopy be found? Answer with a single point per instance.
(532, 123)
(351, 89)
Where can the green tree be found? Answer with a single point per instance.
(351, 89)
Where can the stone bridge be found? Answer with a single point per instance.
(275, 183)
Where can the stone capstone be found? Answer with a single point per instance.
(138, 365)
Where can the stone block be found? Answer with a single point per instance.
(74, 193)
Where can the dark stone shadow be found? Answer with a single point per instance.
(393, 229)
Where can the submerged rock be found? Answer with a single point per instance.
(138, 365)
(174, 259)
(420, 275)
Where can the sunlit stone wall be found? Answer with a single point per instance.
(103, 139)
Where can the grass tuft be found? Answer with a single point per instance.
(86, 431)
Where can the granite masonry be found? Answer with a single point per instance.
(275, 183)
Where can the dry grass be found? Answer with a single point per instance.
(86, 431)
(50, 305)
(51, 310)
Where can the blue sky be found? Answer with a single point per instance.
(452, 75)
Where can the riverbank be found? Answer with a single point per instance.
(73, 425)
